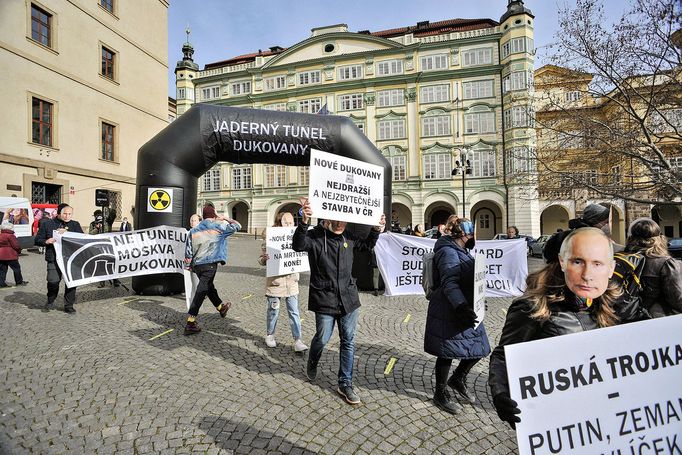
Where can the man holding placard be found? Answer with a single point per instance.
(333, 293)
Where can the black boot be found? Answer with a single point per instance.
(441, 398)
(458, 380)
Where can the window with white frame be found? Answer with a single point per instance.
(516, 117)
(520, 160)
(275, 107)
(479, 56)
(437, 166)
(517, 45)
(482, 163)
(434, 62)
(275, 83)
(391, 129)
(676, 163)
(241, 178)
(484, 220)
(590, 177)
(389, 67)
(570, 140)
(517, 80)
(360, 125)
(434, 93)
(350, 72)
(181, 93)
(310, 106)
(303, 175)
(572, 96)
(350, 102)
(241, 88)
(309, 77)
(398, 159)
(616, 176)
(478, 89)
(275, 175)
(394, 97)
(211, 179)
(435, 125)
(210, 93)
(479, 122)
(666, 121)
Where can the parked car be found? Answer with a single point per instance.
(537, 247)
(675, 248)
(529, 240)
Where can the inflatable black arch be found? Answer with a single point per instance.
(206, 134)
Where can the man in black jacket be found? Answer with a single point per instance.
(62, 223)
(333, 295)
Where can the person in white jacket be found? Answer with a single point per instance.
(278, 288)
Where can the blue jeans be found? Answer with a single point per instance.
(273, 313)
(325, 327)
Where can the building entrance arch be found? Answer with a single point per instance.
(170, 164)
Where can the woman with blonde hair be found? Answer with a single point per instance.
(278, 288)
(661, 278)
(570, 295)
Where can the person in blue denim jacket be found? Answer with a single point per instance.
(205, 248)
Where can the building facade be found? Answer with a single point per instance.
(443, 101)
(84, 87)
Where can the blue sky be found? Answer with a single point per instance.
(222, 29)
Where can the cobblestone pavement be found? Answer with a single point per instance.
(103, 380)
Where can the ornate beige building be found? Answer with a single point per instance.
(436, 99)
(84, 86)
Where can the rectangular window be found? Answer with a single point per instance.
(309, 77)
(616, 177)
(395, 97)
(518, 80)
(303, 175)
(437, 125)
(572, 96)
(241, 178)
(108, 62)
(434, 94)
(361, 126)
(210, 93)
(391, 129)
(108, 138)
(484, 221)
(350, 72)
(275, 107)
(240, 88)
(399, 167)
(389, 67)
(516, 46)
(107, 5)
(434, 62)
(437, 166)
(181, 93)
(275, 175)
(41, 26)
(480, 56)
(350, 102)
(42, 122)
(275, 83)
(590, 177)
(479, 122)
(211, 179)
(516, 117)
(483, 163)
(311, 106)
(520, 160)
(478, 89)
(666, 121)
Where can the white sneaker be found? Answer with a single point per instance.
(270, 341)
(299, 346)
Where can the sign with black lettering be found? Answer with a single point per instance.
(102, 198)
(282, 259)
(506, 266)
(616, 390)
(479, 287)
(345, 189)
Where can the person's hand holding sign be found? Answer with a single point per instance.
(382, 224)
(307, 212)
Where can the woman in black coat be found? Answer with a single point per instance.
(450, 322)
(662, 275)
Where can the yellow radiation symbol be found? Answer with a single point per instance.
(159, 199)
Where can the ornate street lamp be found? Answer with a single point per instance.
(465, 168)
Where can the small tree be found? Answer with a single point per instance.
(621, 135)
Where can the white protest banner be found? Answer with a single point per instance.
(191, 282)
(479, 288)
(399, 258)
(616, 390)
(345, 189)
(506, 266)
(283, 260)
(85, 259)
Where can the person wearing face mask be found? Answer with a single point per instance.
(333, 294)
(450, 320)
(571, 295)
(278, 289)
(62, 223)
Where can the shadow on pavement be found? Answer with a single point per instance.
(236, 437)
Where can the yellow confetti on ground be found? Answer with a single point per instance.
(248, 296)
(407, 318)
(390, 364)
(161, 334)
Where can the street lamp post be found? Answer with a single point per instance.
(465, 168)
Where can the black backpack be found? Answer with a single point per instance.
(627, 274)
